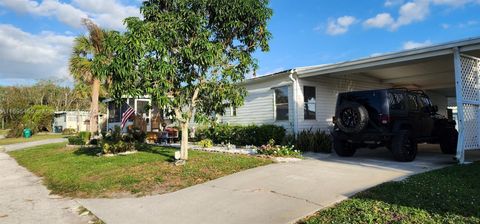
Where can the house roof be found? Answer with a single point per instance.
(471, 44)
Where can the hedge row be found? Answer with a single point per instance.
(242, 135)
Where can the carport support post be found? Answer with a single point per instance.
(459, 89)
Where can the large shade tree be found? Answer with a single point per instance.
(88, 58)
(190, 55)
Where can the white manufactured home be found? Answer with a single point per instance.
(76, 120)
(305, 97)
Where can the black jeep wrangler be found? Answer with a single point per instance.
(398, 119)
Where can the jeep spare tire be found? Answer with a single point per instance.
(351, 117)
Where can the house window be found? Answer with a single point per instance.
(310, 104)
(114, 111)
(233, 111)
(281, 103)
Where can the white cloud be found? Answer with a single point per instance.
(107, 13)
(391, 3)
(64, 12)
(412, 12)
(33, 56)
(408, 13)
(340, 25)
(412, 44)
(380, 21)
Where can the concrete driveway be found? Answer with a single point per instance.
(278, 193)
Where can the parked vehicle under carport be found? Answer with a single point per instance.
(398, 119)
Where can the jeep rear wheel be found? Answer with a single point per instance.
(343, 148)
(351, 117)
(404, 147)
(448, 141)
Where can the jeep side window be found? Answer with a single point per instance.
(396, 101)
(425, 102)
(412, 102)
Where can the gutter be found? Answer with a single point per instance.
(294, 80)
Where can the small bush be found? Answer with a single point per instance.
(314, 141)
(206, 143)
(85, 136)
(278, 151)
(93, 142)
(135, 135)
(69, 131)
(76, 140)
(242, 135)
(119, 147)
(16, 131)
(38, 118)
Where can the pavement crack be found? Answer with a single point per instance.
(266, 190)
(290, 196)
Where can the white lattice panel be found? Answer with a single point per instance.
(470, 90)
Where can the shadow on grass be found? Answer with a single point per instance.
(169, 153)
(449, 191)
(87, 151)
(163, 151)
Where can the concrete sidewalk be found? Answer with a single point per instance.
(24, 145)
(23, 198)
(278, 193)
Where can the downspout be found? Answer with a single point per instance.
(295, 98)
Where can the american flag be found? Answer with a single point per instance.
(127, 114)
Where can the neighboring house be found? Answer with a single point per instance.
(76, 120)
(70, 120)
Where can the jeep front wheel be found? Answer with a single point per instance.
(448, 141)
(343, 148)
(404, 147)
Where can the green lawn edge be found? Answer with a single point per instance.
(80, 173)
(448, 195)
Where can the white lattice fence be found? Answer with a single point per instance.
(467, 77)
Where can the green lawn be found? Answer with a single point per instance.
(7, 141)
(80, 173)
(450, 195)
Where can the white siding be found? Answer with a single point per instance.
(259, 103)
(259, 106)
(327, 89)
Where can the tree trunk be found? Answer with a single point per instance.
(184, 141)
(94, 106)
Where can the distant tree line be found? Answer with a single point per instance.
(15, 101)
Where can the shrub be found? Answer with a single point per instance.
(16, 131)
(314, 141)
(205, 143)
(242, 135)
(135, 135)
(85, 136)
(38, 118)
(76, 140)
(93, 142)
(119, 147)
(279, 151)
(69, 131)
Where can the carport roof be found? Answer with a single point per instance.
(471, 45)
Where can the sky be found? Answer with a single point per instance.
(36, 36)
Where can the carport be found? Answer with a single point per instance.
(449, 71)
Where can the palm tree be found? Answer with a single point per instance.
(81, 64)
